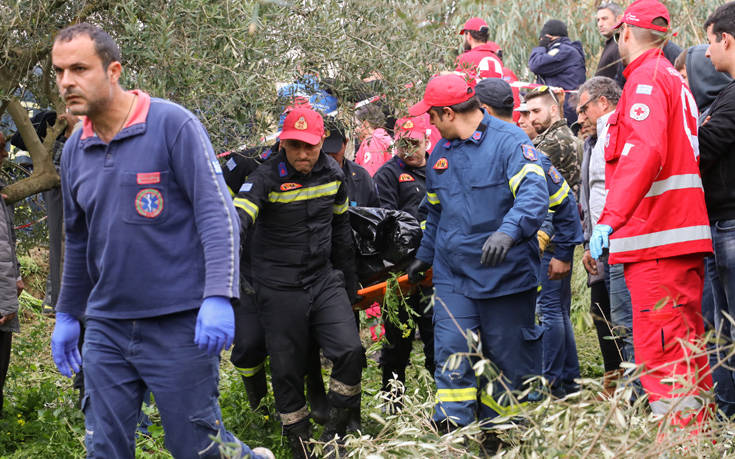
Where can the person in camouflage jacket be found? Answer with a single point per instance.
(554, 138)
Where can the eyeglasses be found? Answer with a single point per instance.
(545, 88)
(582, 110)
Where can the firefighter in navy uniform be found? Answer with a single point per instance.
(487, 199)
(306, 273)
(249, 351)
(402, 186)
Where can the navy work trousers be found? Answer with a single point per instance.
(124, 357)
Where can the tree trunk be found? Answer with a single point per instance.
(44, 175)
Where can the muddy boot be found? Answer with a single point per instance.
(317, 397)
(336, 426)
(491, 444)
(610, 381)
(299, 435)
(256, 390)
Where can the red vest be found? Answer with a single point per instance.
(480, 61)
(655, 201)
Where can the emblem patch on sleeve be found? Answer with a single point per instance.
(247, 186)
(639, 112)
(231, 164)
(217, 167)
(406, 178)
(529, 152)
(555, 175)
(442, 164)
(149, 202)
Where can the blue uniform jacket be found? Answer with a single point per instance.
(492, 181)
(150, 227)
(562, 223)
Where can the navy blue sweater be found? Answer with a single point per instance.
(150, 227)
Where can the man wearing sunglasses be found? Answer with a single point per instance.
(655, 220)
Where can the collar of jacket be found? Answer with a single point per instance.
(135, 125)
(654, 53)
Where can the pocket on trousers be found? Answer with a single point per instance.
(532, 333)
(725, 226)
(206, 424)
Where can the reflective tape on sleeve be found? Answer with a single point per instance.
(248, 206)
(659, 238)
(559, 197)
(432, 198)
(675, 182)
(339, 209)
(516, 180)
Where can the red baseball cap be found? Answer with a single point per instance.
(443, 91)
(475, 24)
(411, 127)
(303, 124)
(642, 13)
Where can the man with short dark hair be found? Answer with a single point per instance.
(655, 220)
(608, 16)
(718, 173)
(487, 198)
(151, 262)
(305, 270)
(558, 236)
(480, 56)
(554, 136)
(558, 61)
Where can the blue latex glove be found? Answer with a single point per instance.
(599, 240)
(215, 327)
(64, 344)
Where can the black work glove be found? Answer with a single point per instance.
(496, 248)
(352, 285)
(417, 270)
(544, 41)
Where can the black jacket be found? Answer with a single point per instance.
(717, 156)
(360, 186)
(610, 64)
(303, 227)
(401, 187)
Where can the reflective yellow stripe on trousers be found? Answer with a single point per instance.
(457, 395)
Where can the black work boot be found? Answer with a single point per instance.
(491, 443)
(354, 421)
(299, 435)
(336, 426)
(256, 390)
(317, 397)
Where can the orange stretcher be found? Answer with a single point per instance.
(376, 293)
